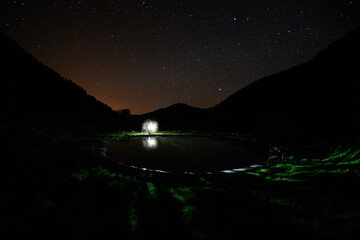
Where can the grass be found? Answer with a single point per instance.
(306, 195)
(120, 135)
(84, 195)
(345, 162)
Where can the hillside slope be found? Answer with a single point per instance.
(33, 95)
(319, 98)
(178, 117)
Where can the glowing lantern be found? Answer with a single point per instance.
(150, 126)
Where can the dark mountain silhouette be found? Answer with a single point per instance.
(316, 99)
(175, 117)
(319, 98)
(33, 95)
(45, 124)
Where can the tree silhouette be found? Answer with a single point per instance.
(124, 112)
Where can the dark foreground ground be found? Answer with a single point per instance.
(73, 191)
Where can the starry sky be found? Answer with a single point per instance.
(148, 54)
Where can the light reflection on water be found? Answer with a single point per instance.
(150, 143)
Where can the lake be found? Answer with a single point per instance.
(187, 154)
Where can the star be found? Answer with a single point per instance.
(200, 44)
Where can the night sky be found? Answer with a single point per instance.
(145, 55)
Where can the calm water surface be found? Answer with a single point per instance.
(185, 154)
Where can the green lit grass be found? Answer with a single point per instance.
(301, 169)
(303, 195)
(135, 134)
(296, 197)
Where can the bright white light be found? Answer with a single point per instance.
(150, 143)
(150, 126)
